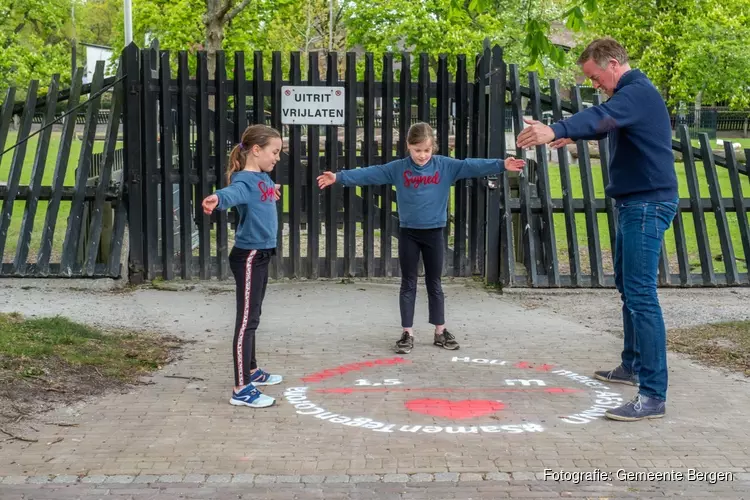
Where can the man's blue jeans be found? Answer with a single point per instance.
(640, 232)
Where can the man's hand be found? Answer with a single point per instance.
(560, 143)
(535, 135)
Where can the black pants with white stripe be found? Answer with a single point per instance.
(250, 269)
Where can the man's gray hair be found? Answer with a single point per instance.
(602, 50)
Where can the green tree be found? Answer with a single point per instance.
(691, 49)
(35, 41)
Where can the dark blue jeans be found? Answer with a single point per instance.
(640, 232)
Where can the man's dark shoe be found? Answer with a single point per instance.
(638, 408)
(405, 343)
(446, 340)
(619, 375)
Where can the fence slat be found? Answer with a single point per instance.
(37, 174)
(186, 164)
(725, 235)
(150, 161)
(571, 231)
(496, 149)
(68, 263)
(295, 180)
(592, 221)
(462, 128)
(165, 153)
(6, 116)
(220, 161)
(368, 154)
(313, 170)
(105, 176)
(350, 145)
(738, 198)
(19, 153)
(386, 199)
(58, 177)
(423, 89)
(608, 202)
(683, 262)
(239, 116)
(701, 234)
(277, 261)
(479, 191)
(443, 127)
(529, 242)
(203, 154)
(331, 195)
(543, 191)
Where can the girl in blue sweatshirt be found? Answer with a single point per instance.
(422, 182)
(254, 193)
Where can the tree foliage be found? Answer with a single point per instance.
(34, 42)
(689, 48)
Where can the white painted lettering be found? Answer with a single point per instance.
(461, 430)
(432, 430)
(410, 428)
(340, 420)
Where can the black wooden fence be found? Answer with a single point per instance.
(550, 227)
(54, 221)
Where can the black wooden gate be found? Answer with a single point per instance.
(550, 227)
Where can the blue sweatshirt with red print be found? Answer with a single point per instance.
(253, 193)
(421, 192)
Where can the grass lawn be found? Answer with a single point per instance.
(46, 362)
(41, 211)
(726, 345)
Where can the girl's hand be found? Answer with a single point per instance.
(277, 191)
(326, 179)
(210, 203)
(560, 143)
(514, 165)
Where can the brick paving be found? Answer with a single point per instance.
(355, 420)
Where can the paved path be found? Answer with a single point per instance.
(355, 420)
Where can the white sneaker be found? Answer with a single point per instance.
(252, 397)
(259, 377)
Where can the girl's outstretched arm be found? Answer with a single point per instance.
(481, 167)
(234, 194)
(367, 176)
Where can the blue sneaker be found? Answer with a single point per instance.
(638, 408)
(259, 377)
(619, 375)
(252, 397)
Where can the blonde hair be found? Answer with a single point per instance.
(602, 50)
(254, 135)
(420, 132)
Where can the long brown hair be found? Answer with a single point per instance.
(254, 135)
(420, 132)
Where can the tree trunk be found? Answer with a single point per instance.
(214, 39)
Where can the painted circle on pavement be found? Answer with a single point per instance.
(485, 409)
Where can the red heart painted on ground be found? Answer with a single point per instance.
(468, 408)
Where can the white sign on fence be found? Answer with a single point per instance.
(302, 105)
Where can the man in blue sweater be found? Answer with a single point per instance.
(643, 184)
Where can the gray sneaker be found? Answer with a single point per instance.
(638, 408)
(405, 344)
(446, 340)
(619, 376)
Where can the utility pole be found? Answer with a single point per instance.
(330, 25)
(128, 22)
